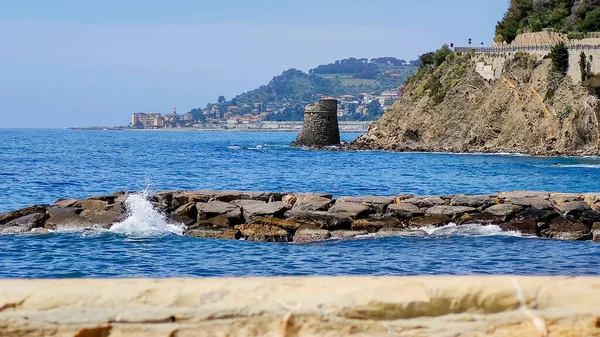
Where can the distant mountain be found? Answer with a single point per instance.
(285, 97)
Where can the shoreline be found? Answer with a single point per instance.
(306, 218)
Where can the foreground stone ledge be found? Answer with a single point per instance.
(306, 217)
(325, 306)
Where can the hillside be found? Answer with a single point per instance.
(567, 16)
(286, 95)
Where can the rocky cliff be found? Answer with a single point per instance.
(450, 107)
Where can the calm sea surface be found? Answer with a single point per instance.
(39, 166)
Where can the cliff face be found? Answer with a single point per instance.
(452, 108)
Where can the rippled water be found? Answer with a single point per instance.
(39, 166)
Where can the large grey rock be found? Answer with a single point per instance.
(9, 216)
(311, 202)
(211, 209)
(321, 220)
(309, 235)
(187, 210)
(590, 216)
(252, 208)
(66, 203)
(426, 201)
(405, 210)
(185, 197)
(473, 200)
(530, 202)
(102, 218)
(524, 194)
(24, 224)
(565, 229)
(67, 220)
(451, 211)
(373, 201)
(561, 198)
(94, 205)
(503, 210)
(538, 215)
(573, 207)
(355, 211)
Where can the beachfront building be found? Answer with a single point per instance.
(147, 120)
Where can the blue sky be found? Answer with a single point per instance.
(80, 63)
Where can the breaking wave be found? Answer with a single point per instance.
(577, 165)
(144, 220)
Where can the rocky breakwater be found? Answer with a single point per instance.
(304, 218)
(345, 306)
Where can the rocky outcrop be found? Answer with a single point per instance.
(324, 306)
(305, 218)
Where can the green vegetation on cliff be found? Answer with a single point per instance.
(536, 15)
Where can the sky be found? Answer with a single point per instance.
(92, 63)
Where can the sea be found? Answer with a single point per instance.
(38, 166)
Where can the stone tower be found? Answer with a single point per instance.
(320, 124)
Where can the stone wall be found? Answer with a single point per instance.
(320, 125)
(322, 306)
(304, 218)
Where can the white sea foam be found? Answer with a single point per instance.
(143, 220)
(578, 165)
(467, 230)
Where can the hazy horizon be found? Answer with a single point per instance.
(68, 63)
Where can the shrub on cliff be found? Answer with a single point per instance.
(560, 58)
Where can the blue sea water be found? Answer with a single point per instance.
(40, 166)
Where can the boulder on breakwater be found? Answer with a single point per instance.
(326, 306)
(305, 217)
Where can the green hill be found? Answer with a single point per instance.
(567, 16)
(287, 94)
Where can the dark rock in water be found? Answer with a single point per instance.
(524, 226)
(573, 208)
(503, 210)
(565, 229)
(252, 209)
(596, 232)
(346, 234)
(204, 233)
(355, 211)
(481, 218)
(321, 220)
(473, 200)
(451, 211)
(264, 233)
(374, 224)
(405, 210)
(9, 216)
(181, 220)
(309, 235)
(24, 224)
(430, 220)
(538, 215)
(187, 210)
(590, 216)
(320, 125)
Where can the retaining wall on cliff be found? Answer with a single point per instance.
(303, 218)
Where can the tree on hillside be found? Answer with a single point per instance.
(221, 99)
(583, 66)
(374, 109)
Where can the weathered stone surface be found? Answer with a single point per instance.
(9, 216)
(229, 196)
(374, 224)
(590, 216)
(473, 200)
(309, 235)
(67, 220)
(205, 233)
(481, 218)
(426, 201)
(373, 201)
(525, 226)
(530, 202)
(570, 230)
(355, 211)
(400, 198)
(405, 210)
(320, 125)
(346, 234)
(264, 233)
(451, 211)
(593, 200)
(187, 210)
(208, 210)
(181, 220)
(430, 220)
(185, 197)
(164, 198)
(252, 208)
(321, 220)
(524, 194)
(414, 306)
(24, 224)
(287, 224)
(102, 218)
(65, 203)
(311, 202)
(596, 232)
(573, 207)
(289, 200)
(561, 198)
(538, 215)
(503, 210)
(94, 205)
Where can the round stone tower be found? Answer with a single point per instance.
(320, 124)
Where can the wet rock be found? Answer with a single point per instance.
(187, 210)
(208, 210)
(503, 210)
(537, 215)
(573, 207)
(9, 216)
(252, 209)
(473, 200)
(374, 224)
(531, 202)
(311, 202)
(596, 232)
(185, 221)
(430, 220)
(481, 218)
(322, 220)
(565, 229)
(524, 226)
(405, 210)
(355, 211)
(94, 205)
(264, 233)
(346, 234)
(394, 232)
(224, 234)
(67, 203)
(24, 224)
(451, 211)
(426, 201)
(309, 235)
(589, 217)
(164, 198)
